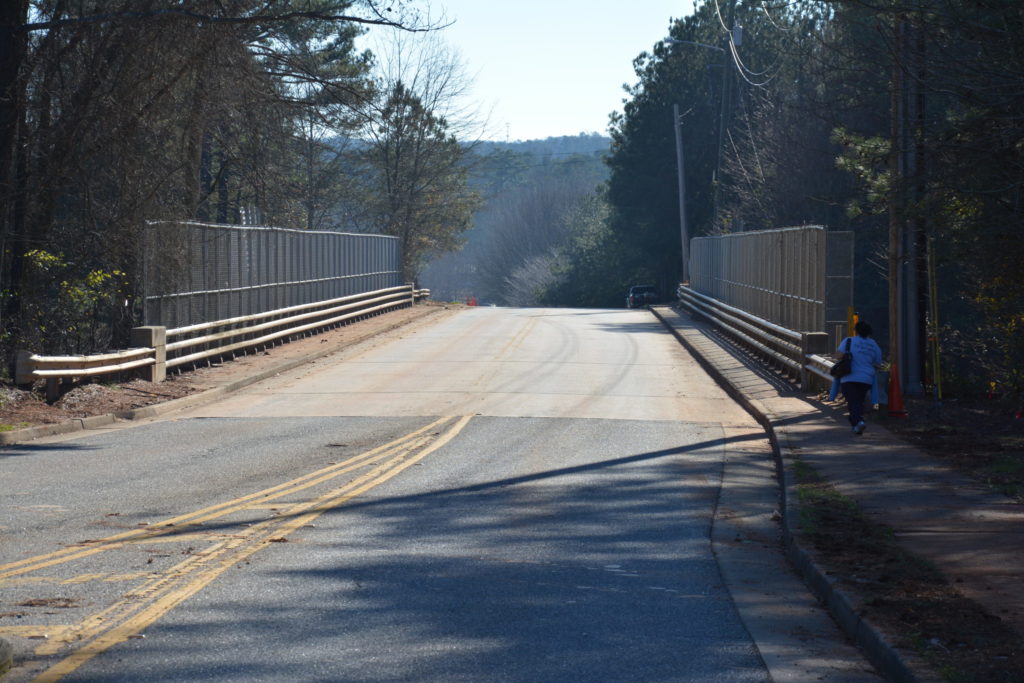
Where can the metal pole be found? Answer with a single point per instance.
(684, 233)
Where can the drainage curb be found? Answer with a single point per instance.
(879, 651)
(157, 409)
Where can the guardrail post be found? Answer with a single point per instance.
(23, 367)
(811, 343)
(52, 389)
(154, 338)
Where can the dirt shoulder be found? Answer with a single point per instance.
(982, 438)
(26, 407)
(919, 610)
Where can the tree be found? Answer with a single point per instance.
(420, 180)
(589, 262)
(642, 188)
(528, 190)
(415, 164)
(530, 226)
(114, 113)
(936, 151)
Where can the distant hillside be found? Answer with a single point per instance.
(585, 144)
(530, 189)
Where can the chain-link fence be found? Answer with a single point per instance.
(195, 272)
(799, 278)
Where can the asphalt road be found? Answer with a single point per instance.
(508, 495)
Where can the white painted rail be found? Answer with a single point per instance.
(217, 339)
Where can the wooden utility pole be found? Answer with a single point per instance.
(684, 232)
(906, 221)
(895, 204)
(726, 72)
(13, 46)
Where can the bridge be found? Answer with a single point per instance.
(484, 494)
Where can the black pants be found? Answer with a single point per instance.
(855, 392)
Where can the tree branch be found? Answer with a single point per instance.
(380, 20)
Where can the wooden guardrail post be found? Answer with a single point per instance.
(23, 368)
(154, 337)
(811, 343)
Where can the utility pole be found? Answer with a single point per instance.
(895, 219)
(684, 233)
(906, 226)
(911, 172)
(726, 72)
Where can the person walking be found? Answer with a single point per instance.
(867, 357)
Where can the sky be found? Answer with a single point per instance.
(544, 68)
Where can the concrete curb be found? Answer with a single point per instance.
(16, 436)
(879, 651)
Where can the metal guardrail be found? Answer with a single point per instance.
(819, 366)
(31, 367)
(154, 355)
(798, 354)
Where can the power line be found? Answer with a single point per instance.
(741, 68)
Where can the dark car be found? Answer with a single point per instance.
(641, 295)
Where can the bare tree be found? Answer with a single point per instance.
(416, 157)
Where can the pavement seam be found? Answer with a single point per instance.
(879, 651)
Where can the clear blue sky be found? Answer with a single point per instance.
(553, 67)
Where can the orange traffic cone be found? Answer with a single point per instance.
(896, 408)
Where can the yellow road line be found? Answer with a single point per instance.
(171, 526)
(128, 617)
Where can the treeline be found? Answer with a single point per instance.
(118, 112)
(901, 120)
(534, 195)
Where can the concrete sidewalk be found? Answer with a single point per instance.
(973, 536)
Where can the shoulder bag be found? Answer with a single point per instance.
(843, 367)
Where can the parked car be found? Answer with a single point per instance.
(641, 295)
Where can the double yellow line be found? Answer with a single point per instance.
(163, 591)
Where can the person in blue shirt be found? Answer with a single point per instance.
(867, 357)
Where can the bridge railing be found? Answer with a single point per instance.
(797, 354)
(197, 272)
(157, 349)
(800, 278)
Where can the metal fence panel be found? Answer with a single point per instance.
(196, 272)
(799, 278)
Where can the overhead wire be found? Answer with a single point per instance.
(764, 8)
(742, 68)
(749, 117)
(771, 72)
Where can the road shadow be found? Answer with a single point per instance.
(595, 570)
